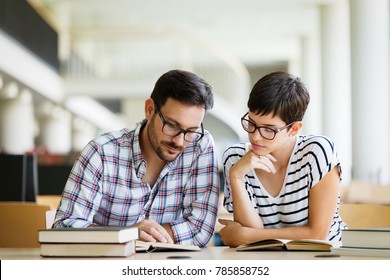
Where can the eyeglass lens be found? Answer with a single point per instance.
(172, 130)
(265, 132)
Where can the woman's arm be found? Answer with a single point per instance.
(322, 204)
(243, 211)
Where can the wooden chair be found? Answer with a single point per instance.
(365, 215)
(52, 200)
(20, 222)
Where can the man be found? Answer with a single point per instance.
(161, 175)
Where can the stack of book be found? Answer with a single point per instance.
(88, 242)
(369, 242)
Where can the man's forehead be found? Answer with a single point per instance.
(186, 116)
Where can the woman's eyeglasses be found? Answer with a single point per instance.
(265, 131)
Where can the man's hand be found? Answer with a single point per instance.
(152, 231)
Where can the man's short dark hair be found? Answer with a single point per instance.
(185, 87)
(280, 94)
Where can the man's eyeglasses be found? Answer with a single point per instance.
(173, 130)
(265, 131)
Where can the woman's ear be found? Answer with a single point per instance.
(295, 128)
(149, 108)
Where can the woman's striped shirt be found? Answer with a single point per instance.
(311, 159)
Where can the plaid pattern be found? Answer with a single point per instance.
(105, 187)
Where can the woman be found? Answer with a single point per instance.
(280, 184)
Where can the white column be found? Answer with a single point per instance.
(133, 110)
(336, 81)
(370, 89)
(55, 129)
(82, 133)
(311, 76)
(17, 120)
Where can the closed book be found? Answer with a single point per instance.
(88, 249)
(143, 246)
(361, 252)
(289, 245)
(89, 235)
(367, 238)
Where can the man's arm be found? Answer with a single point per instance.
(200, 201)
(82, 194)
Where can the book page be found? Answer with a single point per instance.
(159, 246)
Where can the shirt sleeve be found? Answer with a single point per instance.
(323, 158)
(200, 201)
(229, 158)
(82, 193)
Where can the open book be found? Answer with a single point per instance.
(142, 246)
(289, 245)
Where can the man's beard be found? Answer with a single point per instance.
(167, 156)
(163, 155)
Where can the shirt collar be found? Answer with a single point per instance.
(139, 161)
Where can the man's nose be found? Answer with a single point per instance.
(178, 139)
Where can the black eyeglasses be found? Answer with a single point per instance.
(265, 131)
(173, 130)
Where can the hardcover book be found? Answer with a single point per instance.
(367, 238)
(361, 252)
(89, 235)
(88, 249)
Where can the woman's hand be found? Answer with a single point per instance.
(252, 161)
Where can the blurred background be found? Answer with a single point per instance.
(72, 69)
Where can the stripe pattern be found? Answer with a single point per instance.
(312, 157)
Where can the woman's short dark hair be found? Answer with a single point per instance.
(185, 87)
(280, 94)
